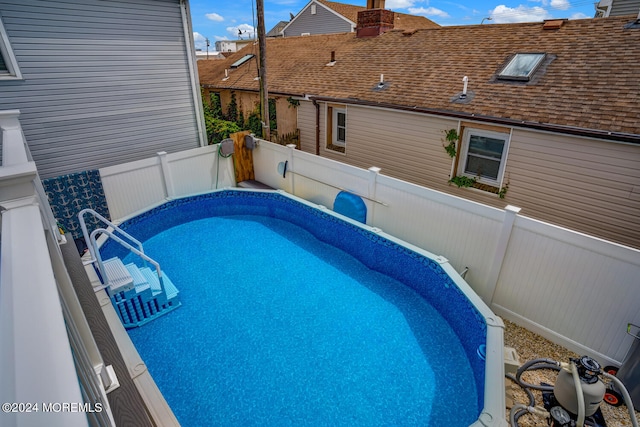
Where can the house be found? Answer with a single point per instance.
(276, 31)
(606, 8)
(232, 45)
(544, 115)
(327, 17)
(67, 75)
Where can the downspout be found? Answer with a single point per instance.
(193, 74)
(317, 126)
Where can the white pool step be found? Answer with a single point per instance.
(137, 294)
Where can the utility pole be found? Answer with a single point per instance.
(264, 93)
(207, 39)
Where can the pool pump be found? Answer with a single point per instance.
(578, 389)
(574, 400)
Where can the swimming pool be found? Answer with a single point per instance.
(363, 346)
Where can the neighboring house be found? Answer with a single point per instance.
(551, 120)
(327, 17)
(88, 98)
(276, 31)
(606, 8)
(232, 45)
(208, 55)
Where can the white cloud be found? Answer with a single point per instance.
(247, 31)
(221, 38)
(560, 4)
(400, 4)
(199, 41)
(429, 11)
(214, 17)
(579, 15)
(503, 14)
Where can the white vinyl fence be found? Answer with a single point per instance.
(577, 290)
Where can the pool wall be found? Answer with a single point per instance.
(429, 275)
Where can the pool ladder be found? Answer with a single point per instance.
(139, 294)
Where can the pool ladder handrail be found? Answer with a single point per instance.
(93, 248)
(94, 251)
(141, 254)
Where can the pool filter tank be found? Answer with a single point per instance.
(593, 389)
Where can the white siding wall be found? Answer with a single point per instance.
(105, 82)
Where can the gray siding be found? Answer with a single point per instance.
(625, 7)
(323, 22)
(105, 82)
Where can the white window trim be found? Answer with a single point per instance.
(506, 136)
(334, 125)
(8, 56)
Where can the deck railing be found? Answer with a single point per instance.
(47, 354)
(577, 290)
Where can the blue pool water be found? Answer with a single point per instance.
(278, 327)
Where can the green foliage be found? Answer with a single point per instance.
(503, 191)
(232, 110)
(462, 181)
(451, 137)
(293, 102)
(253, 123)
(218, 129)
(273, 123)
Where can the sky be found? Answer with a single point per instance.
(222, 20)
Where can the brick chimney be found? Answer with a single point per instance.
(375, 20)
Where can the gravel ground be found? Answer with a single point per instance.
(531, 346)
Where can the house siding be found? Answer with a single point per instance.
(323, 22)
(582, 184)
(105, 82)
(624, 7)
(307, 125)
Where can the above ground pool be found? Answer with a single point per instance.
(293, 315)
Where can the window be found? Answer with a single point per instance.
(339, 127)
(313, 9)
(521, 66)
(483, 155)
(8, 64)
(336, 128)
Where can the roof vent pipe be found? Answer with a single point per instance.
(333, 56)
(465, 81)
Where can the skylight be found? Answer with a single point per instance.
(241, 61)
(521, 66)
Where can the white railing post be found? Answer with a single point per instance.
(292, 148)
(500, 252)
(166, 175)
(36, 362)
(373, 183)
(13, 149)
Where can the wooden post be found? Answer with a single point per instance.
(264, 92)
(242, 158)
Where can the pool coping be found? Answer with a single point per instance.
(492, 413)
